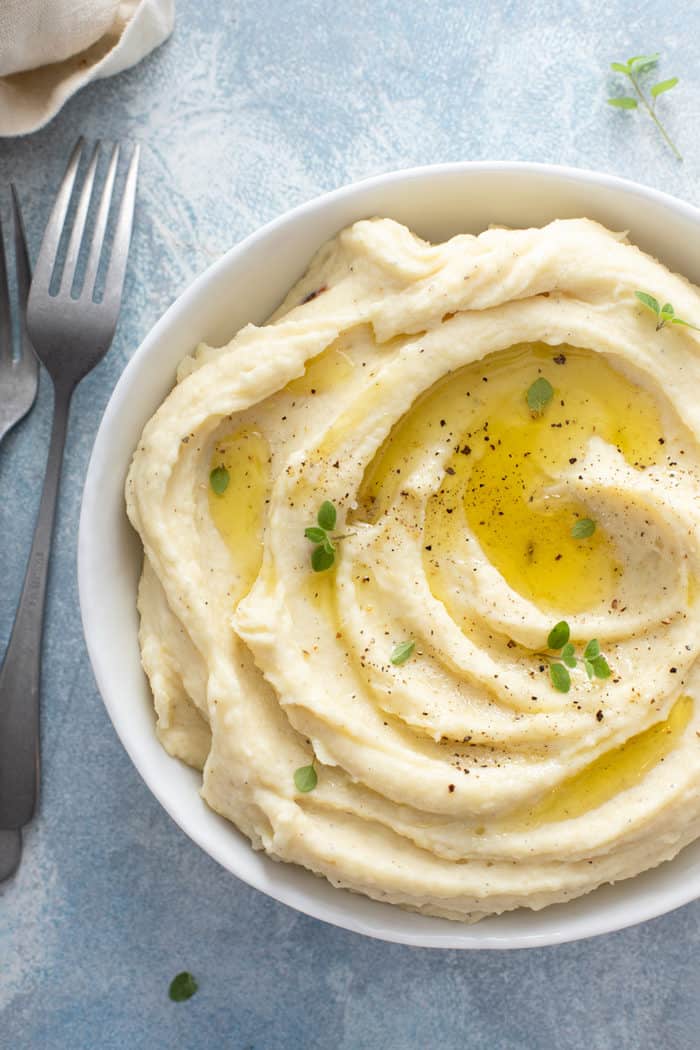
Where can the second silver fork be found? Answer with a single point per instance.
(19, 374)
(19, 380)
(70, 335)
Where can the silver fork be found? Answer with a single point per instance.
(70, 336)
(19, 377)
(19, 380)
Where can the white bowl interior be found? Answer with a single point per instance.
(246, 285)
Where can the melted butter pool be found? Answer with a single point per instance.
(503, 459)
(617, 770)
(327, 370)
(238, 512)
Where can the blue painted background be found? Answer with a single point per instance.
(250, 108)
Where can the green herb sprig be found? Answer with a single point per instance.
(182, 987)
(305, 778)
(583, 528)
(594, 663)
(219, 479)
(633, 68)
(538, 395)
(664, 314)
(402, 652)
(323, 554)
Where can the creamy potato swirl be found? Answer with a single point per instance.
(392, 382)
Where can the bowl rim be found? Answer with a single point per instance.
(650, 905)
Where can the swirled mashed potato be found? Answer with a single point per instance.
(393, 383)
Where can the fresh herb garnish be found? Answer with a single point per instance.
(539, 395)
(321, 559)
(402, 653)
(305, 778)
(561, 679)
(326, 516)
(219, 479)
(633, 68)
(559, 635)
(601, 667)
(583, 528)
(664, 314)
(323, 554)
(592, 649)
(182, 987)
(568, 655)
(594, 663)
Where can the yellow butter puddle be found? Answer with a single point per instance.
(617, 770)
(323, 372)
(239, 511)
(502, 460)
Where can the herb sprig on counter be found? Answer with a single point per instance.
(664, 314)
(633, 69)
(594, 663)
(182, 987)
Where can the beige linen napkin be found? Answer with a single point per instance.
(51, 48)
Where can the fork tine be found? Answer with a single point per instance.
(21, 250)
(5, 322)
(54, 227)
(122, 234)
(79, 221)
(100, 226)
(24, 276)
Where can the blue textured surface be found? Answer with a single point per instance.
(249, 109)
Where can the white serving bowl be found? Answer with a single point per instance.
(246, 285)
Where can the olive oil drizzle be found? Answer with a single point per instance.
(322, 373)
(238, 512)
(502, 464)
(613, 772)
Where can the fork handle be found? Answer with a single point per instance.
(21, 668)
